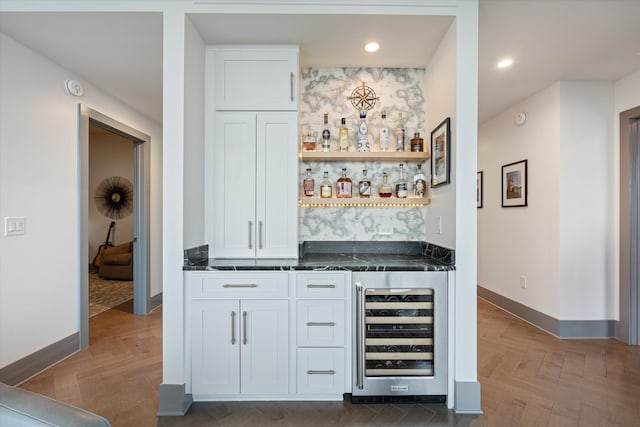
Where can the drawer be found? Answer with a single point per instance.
(320, 323)
(240, 285)
(320, 285)
(321, 370)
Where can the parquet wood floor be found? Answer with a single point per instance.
(528, 378)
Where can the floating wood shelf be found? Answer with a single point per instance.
(357, 202)
(384, 156)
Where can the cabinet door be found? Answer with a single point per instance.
(277, 185)
(264, 359)
(256, 79)
(234, 185)
(215, 347)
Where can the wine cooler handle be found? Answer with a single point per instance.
(250, 234)
(259, 234)
(244, 327)
(292, 79)
(233, 328)
(359, 336)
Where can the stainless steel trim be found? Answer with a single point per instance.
(292, 86)
(311, 286)
(250, 234)
(321, 324)
(359, 336)
(330, 372)
(233, 328)
(259, 234)
(244, 327)
(233, 285)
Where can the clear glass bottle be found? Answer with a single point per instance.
(385, 190)
(401, 185)
(419, 183)
(364, 185)
(384, 132)
(343, 135)
(326, 188)
(309, 184)
(417, 143)
(344, 185)
(363, 133)
(326, 134)
(400, 134)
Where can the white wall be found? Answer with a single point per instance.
(440, 91)
(109, 155)
(39, 180)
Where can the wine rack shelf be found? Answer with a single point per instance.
(364, 156)
(356, 202)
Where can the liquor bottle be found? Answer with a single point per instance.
(401, 185)
(344, 185)
(385, 189)
(363, 133)
(364, 185)
(417, 143)
(326, 189)
(326, 134)
(343, 135)
(419, 183)
(400, 134)
(309, 142)
(384, 133)
(309, 184)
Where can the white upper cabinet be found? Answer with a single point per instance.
(263, 78)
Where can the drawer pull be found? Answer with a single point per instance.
(321, 324)
(248, 285)
(233, 328)
(311, 286)
(331, 372)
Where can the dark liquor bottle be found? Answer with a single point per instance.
(417, 143)
(308, 184)
(344, 185)
(385, 189)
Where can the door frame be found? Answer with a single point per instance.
(141, 212)
(628, 327)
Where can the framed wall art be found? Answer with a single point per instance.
(479, 189)
(441, 154)
(514, 184)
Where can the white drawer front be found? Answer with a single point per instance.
(320, 323)
(320, 370)
(240, 285)
(320, 285)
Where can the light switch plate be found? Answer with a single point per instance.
(15, 226)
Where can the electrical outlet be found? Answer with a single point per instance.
(523, 282)
(15, 226)
(386, 230)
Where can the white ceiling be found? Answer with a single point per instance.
(549, 40)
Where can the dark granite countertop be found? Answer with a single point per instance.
(353, 256)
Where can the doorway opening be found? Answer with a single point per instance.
(138, 239)
(628, 328)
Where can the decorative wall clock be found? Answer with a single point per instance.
(114, 197)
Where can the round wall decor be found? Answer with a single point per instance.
(114, 197)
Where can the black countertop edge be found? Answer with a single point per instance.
(323, 268)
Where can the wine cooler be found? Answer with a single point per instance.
(400, 341)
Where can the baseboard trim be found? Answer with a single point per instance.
(23, 369)
(560, 328)
(154, 302)
(173, 401)
(467, 397)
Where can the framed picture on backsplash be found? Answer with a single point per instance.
(514, 184)
(441, 154)
(479, 189)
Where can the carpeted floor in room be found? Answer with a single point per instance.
(106, 294)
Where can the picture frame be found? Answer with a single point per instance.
(441, 154)
(514, 184)
(479, 189)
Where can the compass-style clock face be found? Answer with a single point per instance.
(363, 98)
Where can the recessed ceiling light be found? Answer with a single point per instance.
(504, 63)
(371, 47)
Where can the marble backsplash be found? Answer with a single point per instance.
(400, 90)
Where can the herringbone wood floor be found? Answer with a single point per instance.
(528, 378)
